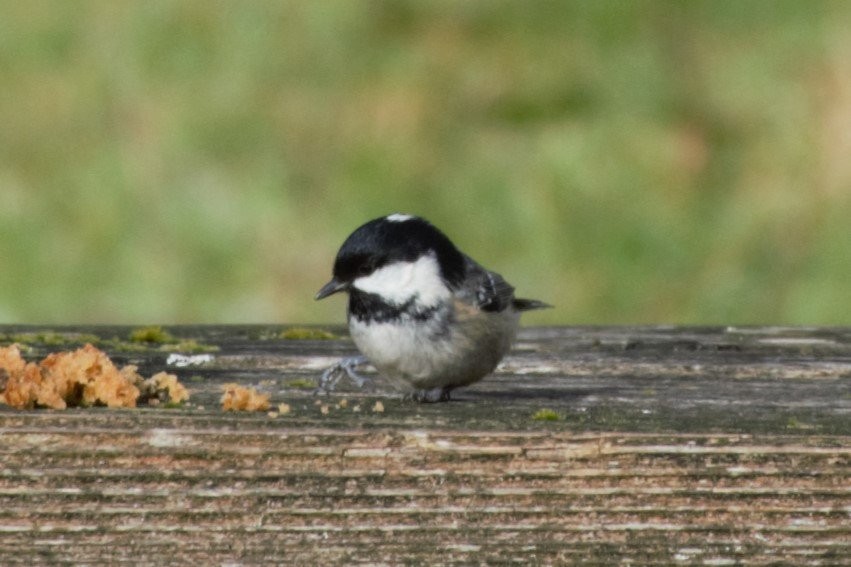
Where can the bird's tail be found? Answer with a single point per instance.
(529, 304)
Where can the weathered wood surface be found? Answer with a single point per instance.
(673, 446)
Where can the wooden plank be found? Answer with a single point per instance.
(671, 446)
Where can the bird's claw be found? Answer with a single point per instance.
(346, 367)
(434, 395)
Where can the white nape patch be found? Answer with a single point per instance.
(401, 281)
(399, 217)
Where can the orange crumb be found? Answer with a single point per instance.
(163, 387)
(240, 398)
(20, 381)
(84, 377)
(11, 361)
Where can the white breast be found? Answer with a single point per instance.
(428, 354)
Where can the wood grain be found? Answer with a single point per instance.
(671, 446)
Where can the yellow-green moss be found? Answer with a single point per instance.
(152, 334)
(189, 345)
(306, 334)
(48, 338)
(546, 415)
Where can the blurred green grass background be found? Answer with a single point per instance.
(630, 162)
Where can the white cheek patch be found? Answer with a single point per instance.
(401, 281)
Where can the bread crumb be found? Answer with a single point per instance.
(324, 409)
(240, 398)
(378, 407)
(84, 377)
(19, 380)
(284, 409)
(163, 387)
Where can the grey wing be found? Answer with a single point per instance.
(490, 292)
(487, 290)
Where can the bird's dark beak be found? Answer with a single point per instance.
(331, 288)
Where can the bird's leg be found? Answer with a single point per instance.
(332, 376)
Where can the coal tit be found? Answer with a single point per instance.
(419, 309)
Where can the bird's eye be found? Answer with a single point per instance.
(366, 265)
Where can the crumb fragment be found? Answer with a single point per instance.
(378, 407)
(11, 363)
(19, 380)
(84, 377)
(284, 409)
(162, 387)
(324, 409)
(240, 398)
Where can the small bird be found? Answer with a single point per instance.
(419, 309)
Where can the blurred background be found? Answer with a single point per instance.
(200, 161)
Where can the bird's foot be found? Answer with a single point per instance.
(346, 367)
(431, 396)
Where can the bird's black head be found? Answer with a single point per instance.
(394, 238)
